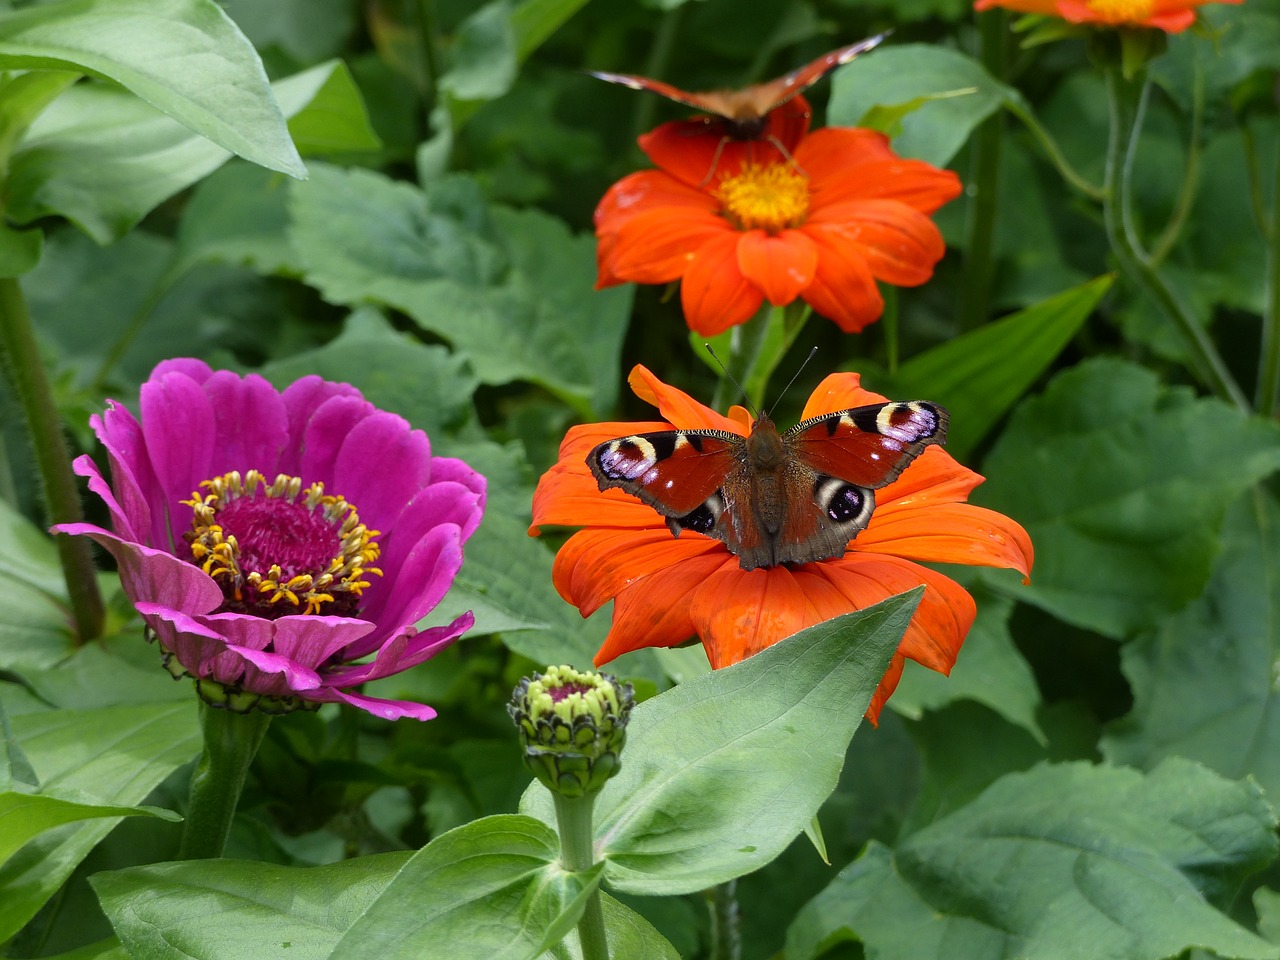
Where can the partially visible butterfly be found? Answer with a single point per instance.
(743, 112)
(773, 497)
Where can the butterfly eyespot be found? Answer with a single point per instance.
(846, 504)
(702, 519)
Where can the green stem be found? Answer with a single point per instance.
(726, 921)
(984, 185)
(1190, 177)
(26, 372)
(577, 854)
(1051, 149)
(1269, 362)
(231, 741)
(1126, 99)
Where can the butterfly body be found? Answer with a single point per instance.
(741, 113)
(772, 498)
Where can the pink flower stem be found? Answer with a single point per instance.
(21, 355)
(231, 741)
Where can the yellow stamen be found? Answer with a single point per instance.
(1123, 11)
(771, 197)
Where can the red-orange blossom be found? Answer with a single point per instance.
(668, 590)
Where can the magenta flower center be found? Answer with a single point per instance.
(278, 549)
(560, 693)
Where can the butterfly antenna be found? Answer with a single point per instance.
(795, 376)
(755, 414)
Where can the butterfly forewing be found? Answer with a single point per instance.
(869, 446)
(673, 471)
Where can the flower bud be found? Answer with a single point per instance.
(572, 725)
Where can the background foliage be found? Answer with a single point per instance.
(1097, 777)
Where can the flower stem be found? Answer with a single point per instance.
(26, 372)
(573, 815)
(1127, 99)
(231, 741)
(984, 184)
(726, 921)
(1268, 392)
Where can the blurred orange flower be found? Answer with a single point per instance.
(668, 590)
(1171, 16)
(821, 216)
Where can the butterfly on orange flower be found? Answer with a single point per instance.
(741, 114)
(666, 590)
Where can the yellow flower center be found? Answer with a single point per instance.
(769, 198)
(1123, 11)
(277, 549)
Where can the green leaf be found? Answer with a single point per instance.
(34, 631)
(512, 290)
(1122, 486)
(1062, 861)
(1267, 903)
(628, 933)
(721, 773)
(483, 55)
(1203, 681)
(19, 250)
(116, 754)
(263, 910)
(330, 116)
(533, 21)
(104, 159)
(952, 92)
(108, 949)
(24, 816)
(494, 885)
(989, 670)
(979, 376)
(237, 215)
(184, 57)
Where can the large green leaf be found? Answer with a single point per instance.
(25, 815)
(1204, 680)
(263, 910)
(1122, 485)
(35, 628)
(184, 57)
(117, 755)
(721, 773)
(512, 290)
(941, 96)
(104, 159)
(628, 933)
(979, 376)
(492, 889)
(1060, 862)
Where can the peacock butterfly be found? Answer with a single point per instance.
(742, 113)
(791, 497)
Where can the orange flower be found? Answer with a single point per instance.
(1171, 16)
(821, 217)
(668, 590)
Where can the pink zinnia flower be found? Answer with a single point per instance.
(281, 545)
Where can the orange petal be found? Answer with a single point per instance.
(595, 565)
(898, 244)
(888, 684)
(715, 295)
(839, 391)
(847, 164)
(934, 477)
(843, 289)
(655, 612)
(643, 191)
(950, 533)
(780, 265)
(684, 412)
(657, 246)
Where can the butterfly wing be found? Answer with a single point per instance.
(711, 101)
(760, 99)
(868, 446)
(754, 102)
(680, 473)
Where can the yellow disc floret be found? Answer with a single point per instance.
(771, 197)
